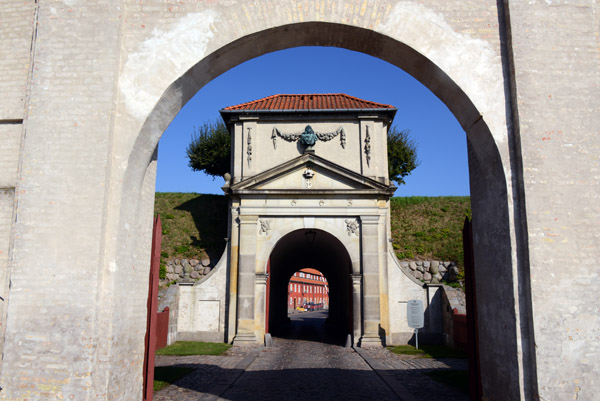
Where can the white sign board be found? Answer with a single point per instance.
(414, 313)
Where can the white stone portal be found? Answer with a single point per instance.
(309, 162)
(274, 205)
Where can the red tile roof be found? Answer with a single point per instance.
(329, 101)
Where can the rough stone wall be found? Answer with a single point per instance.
(186, 269)
(431, 271)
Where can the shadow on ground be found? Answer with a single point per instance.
(310, 326)
(305, 384)
(308, 362)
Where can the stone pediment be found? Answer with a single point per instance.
(310, 174)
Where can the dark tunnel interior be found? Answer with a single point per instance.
(319, 250)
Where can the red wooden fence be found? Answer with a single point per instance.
(459, 335)
(162, 328)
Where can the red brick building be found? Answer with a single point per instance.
(308, 289)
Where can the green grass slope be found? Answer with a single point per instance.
(429, 228)
(195, 225)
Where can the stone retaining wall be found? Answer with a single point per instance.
(431, 271)
(186, 270)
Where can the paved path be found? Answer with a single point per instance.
(306, 363)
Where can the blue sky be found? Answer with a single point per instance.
(441, 142)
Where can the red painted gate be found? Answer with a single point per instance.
(460, 331)
(268, 296)
(162, 328)
(152, 308)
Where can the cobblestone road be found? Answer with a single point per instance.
(315, 367)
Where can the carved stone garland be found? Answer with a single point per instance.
(249, 150)
(293, 137)
(368, 146)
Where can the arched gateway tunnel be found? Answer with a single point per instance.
(321, 251)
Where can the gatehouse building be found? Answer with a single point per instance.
(309, 188)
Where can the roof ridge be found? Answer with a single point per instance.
(297, 101)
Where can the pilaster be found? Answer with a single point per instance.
(357, 303)
(260, 293)
(245, 333)
(234, 246)
(370, 268)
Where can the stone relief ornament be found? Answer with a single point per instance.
(249, 148)
(368, 146)
(308, 176)
(309, 137)
(265, 227)
(351, 227)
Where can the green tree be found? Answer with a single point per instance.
(402, 154)
(210, 149)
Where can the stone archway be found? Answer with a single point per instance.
(489, 186)
(154, 78)
(478, 103)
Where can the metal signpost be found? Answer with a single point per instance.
(414, 315)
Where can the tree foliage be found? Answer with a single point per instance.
(210, 149)
(402, 154)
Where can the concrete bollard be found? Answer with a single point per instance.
(268, 340)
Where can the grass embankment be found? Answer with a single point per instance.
(425, 228)
(429, 228)
(166, 375)
(194, 226)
